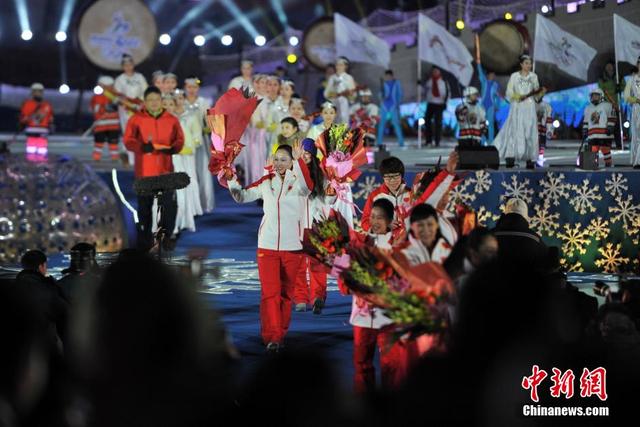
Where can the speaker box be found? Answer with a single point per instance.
(588, 161)
(478, 157)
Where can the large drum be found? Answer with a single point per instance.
(110, 28)
(319, 43)
(501, 44)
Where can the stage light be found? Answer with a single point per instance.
(293, 41)
(65, 18)
(164, 39)
(556, 123)
(199, 40)
(64, 88)
(460, 24)
(421, 121)
(626, 124)
(26, 35)
(61, 36)
(508, 16)
(292, 58)
(98, 90)
(547, 10)
(226, 40)
(260, 40)
(23, 18)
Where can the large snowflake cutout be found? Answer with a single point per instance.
(626, 212)
(575, 239)
(598, 228)
(575, 267)
(485, 216)
(543, 221)
(517, 190)
(365, 188)
(617, 185)
(583, 201)
(611, 260)
(553, 188)
(481, 182)
(460, 195)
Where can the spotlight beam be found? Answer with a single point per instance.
(65, 19)
(212, 31)
(23, 14)
(241, 17)
(157, 5)
(232, 24)
(192, 14)
(279, 10)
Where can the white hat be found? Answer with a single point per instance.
(37, 86)
(468, 91)
(169, 76)
(598, 91)
(342, 60)
(518, 206)
(365, 92)
(288, 83)
(105, 81)
(246, 62)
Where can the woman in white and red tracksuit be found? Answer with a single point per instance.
(279, 255)
(311, 285)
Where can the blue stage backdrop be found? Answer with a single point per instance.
(594, 217)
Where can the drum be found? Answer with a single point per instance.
(501, 44)
(319, 43)
(110, 28)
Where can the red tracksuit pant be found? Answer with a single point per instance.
(312, 285)
(394, 361)
(277, 271)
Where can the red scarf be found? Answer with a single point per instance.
(435, 88)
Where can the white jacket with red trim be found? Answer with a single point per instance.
(282, 223)
(402, 198)
(599, 121)
(417, 253)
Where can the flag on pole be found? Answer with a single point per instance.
(439, 47)
(627, 40)
(359, 44)
(556, 46)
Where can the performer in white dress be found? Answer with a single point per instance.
(254, 136)
(271, 105)
(328, 114)
(245, 79)
(341, 90)
(287, 87)
(198, 106)
(188, 198)
(632, 97)
(132, 85)
(296, 110)
(518, 138)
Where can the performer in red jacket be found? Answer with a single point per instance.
(106, 123)
(153, 135)
(36, 118)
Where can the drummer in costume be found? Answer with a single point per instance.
(598, 125)
(130, 84)
(365, 114)
(196, 105)
(545, 127)
(518, 138)
(471, 119)
(341, 90)
(36, 118)
(106, 122)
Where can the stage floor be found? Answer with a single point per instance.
(560, 153)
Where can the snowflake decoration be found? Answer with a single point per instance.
(543, 221)
(575, 267)
(484, 216)
(574, 239)
(616, 185)
(365, 188)
(582, 202)
(598, 228)
(553, 188)
(482, 181)
(458, 195)
(611, 260)
(626, 212)
(517, 190)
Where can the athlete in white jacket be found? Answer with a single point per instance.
(279, 247)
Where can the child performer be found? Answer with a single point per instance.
(289, 133)
(296, 110)
(283, 192)
(471, 119)
(341, 90)
(545, 127)
(169, 83)
(366, 114)
(328, 114)
(106, 123)
(311, 284)
(599, 124)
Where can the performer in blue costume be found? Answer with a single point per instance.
(490, 99)
(390, 109)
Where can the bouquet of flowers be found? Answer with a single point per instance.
(328, 239)
(415, 298)
(228, 120)
(343, 152)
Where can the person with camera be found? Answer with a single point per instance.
(153, 135)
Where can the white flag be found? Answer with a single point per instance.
(358, 44)
(439, 47)
(627, 40)
(556, 46)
